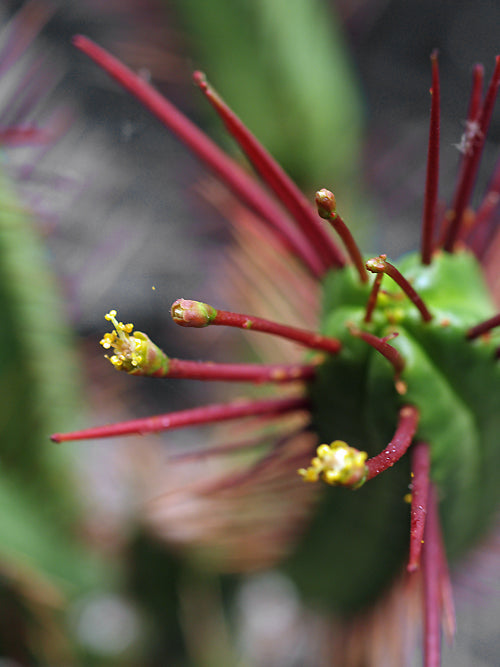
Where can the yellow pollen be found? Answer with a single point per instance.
(128, 349)
(337, 464)
(395, 315)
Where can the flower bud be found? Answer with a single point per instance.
(134, 353)
(189, 313)
(326, 203)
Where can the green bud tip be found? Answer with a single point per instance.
(189, 313)
(376, 264)
(133, 351)
(326, 203)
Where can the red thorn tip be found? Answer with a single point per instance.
(432, 176)
(476, 93)
(471, 160)
(200, 79)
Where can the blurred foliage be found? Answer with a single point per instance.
(39, 375)
(284, 67)
(39, 385)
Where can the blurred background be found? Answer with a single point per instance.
(106, 206)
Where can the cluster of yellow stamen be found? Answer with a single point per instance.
(129, 349)
(337, 464)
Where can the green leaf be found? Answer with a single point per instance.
(38, 372)
(39, 386)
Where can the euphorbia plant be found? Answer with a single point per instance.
(399, 386)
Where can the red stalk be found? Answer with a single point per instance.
(372, 299)
(187, 313)
(309, 339)
(19, 135)
(207, 414)
(484, 226)
(381, 345)
(476, 93)
(483, 327)
(447, 603)
(431, 575)
(407, 426)
(208, 370)
(325, 201)
(419, 495)
(470, 164)
(381, 265)
(432, 178)
(247, 189)
(279, 182)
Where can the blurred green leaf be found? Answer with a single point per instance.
(29, 537)
(39, 388)
(38, 372)
(284, 67)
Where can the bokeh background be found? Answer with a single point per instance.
(338, 91)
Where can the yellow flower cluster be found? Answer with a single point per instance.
(129, 349)
(337, 464)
